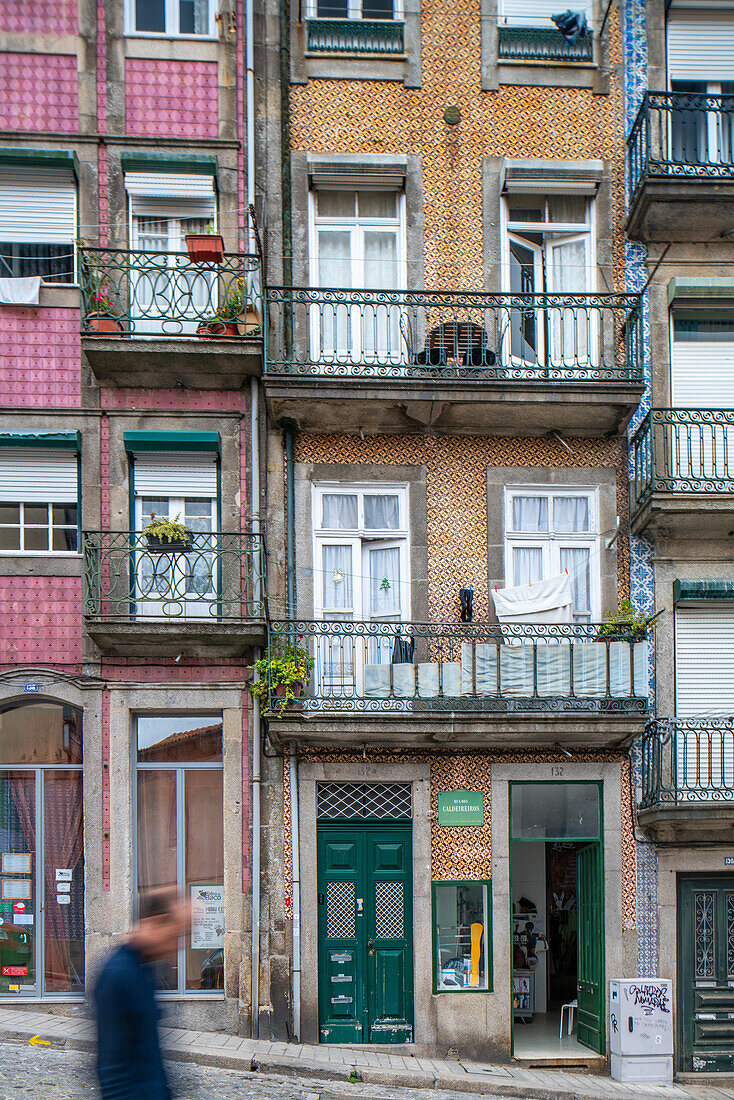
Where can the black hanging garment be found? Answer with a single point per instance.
(571, 24)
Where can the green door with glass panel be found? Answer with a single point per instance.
(706, 974)
(590, 948)
(365, 924)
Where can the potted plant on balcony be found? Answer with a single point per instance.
(233, 318)
(205, 248)
(626, 621)
(167, 536)
(103, 319)
(283, 675)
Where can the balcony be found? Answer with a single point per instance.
(542, 44)
(355, 36)
(158, 319)
(688, 780)
(407, 361)
(680, 164)
(424, 684)
(683, 471)
(202, 599)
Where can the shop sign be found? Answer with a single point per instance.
(207, 917)
(461, 808)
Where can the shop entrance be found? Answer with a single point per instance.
(365, 926)
(557, 895)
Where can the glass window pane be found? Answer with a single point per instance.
(460, 918)
(378, 204)
(36, 513)
(18, 838)
(380, 260)
(339, 511)
(335, 258)
(384, 576)
(64, 910)
(529, 513)
(150, 15)
(158, 848)
(65, 539)
(382, 513)
(9, 538)
(193, 17)
(64, 515)
(335, 204)
(40, 733)
(571, 514)
(179, 739)
(526, 208)
(527, 565)
(154, 506)
(9, 513)
(35, 538)
(198, 515)
(570, 209)
(204, 879)
(337, 578)
(577, 560)
(555, 811)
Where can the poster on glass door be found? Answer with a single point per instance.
(207, 917)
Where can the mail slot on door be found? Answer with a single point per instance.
(641, 1030)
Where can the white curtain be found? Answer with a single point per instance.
(576, 559)
(530, 514)
(385, 582)
(381, 513)
(201, 16)
(339, 511)
(570, 327)
(337, 578)
(527, 564)
(331, 329)
(571, 514)
(380, 323)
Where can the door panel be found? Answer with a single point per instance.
(590, 981)
(706, 974)
(19, 911)
(365, 935)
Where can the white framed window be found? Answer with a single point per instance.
(39, 501)
(38, 223)
(548, 531)
(535, 13)
(354, 9)
(549, 247)
(171, 18)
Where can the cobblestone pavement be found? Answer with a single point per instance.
(41, 1074)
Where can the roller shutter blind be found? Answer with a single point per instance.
(175, 475)
(704, 660)
(703, 373)
(536, 13)
(39, 476)
(37, 205)
(170, 195)
(701, 45)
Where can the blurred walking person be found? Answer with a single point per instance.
(129, 1061)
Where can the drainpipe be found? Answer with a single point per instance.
(250, 117)
(290, 521)
(257, 594)
(296, 864)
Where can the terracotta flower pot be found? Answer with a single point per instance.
(205, 248)
(102, 324)
(218, 330)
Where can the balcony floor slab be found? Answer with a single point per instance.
(169, 362)
(670, 208)
(685, 515)
(688, 822)
(190, 638)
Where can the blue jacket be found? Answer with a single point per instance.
(129, 1062)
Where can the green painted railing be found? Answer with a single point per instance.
(683, 451)
(541, 44)
(213, 576)
(681, 135)
(128, 293)
(687, 761)
(373, 36)
(479, 667)
(449, 334)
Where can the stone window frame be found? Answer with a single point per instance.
(550, 74)
(404, 67)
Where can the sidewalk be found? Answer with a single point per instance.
(372, 1067)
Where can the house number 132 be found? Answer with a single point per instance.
(556, 770)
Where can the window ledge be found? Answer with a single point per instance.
(540, 61)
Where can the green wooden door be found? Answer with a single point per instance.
(590, 1030)
(706, 974)
(365, 934)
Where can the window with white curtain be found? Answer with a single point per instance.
(549, 249)
(172, 18)
(548, 531)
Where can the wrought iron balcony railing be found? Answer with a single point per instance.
(541, 44)
(446, 335)
(683, 451)
(216, 577)
(478, 667)
(129, 293)
(370, 36)
(687, 760)
(681, 135)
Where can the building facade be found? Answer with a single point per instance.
(678, 78)
(129, 390)
(452, 363)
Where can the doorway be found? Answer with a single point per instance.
(557, 898)
(365, 933)
(705, 973)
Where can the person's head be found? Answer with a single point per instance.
(162, 921)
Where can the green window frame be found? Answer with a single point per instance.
(486, 886)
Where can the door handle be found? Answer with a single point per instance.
(370, 943)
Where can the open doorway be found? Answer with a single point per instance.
(557, 921)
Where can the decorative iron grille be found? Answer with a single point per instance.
(389, 910)
(704, 921)
(541, 44)
(361, 36)
(687, 760)
(360, 801)
(340, 918)
(683, 451)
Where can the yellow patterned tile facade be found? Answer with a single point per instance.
(456, 489)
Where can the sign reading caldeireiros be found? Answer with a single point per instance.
(460, 807)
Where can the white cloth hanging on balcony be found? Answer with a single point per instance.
(546, 601)
(20, 292)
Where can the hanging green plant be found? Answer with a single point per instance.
(626, 620)
(283, 675)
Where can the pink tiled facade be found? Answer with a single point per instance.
(171, 98)
(38, 16)
(40, 621)
(40, 357)
(26, 102)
